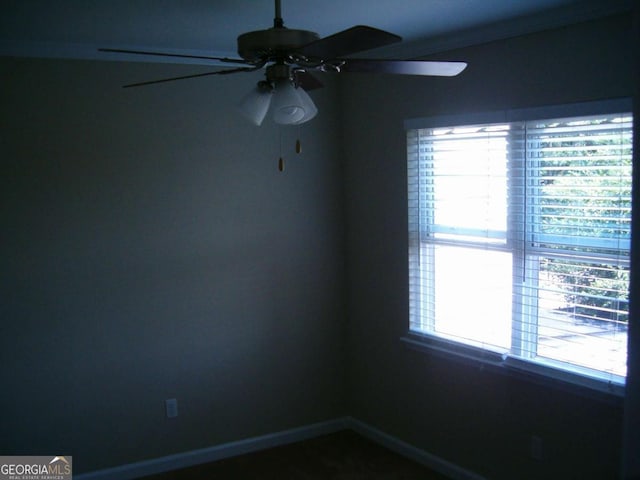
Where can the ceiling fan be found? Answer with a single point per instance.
(290, 55)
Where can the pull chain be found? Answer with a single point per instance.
(298, 149)
(281, 159)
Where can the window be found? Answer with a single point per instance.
(519, 237)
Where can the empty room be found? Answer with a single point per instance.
(229, 228)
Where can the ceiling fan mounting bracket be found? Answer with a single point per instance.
(278, 71)
(274, 42)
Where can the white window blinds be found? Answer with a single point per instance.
(519, 238)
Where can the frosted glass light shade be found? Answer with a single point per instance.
(288, 106)
(310, 110)
(255, 104)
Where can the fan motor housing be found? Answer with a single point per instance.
(274, 42)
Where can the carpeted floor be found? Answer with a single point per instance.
(343, 455)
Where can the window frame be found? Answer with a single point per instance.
(484, 357)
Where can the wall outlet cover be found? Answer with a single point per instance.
(171, 407)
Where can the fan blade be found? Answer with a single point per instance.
(353, 40)
(403, 67)
(219, 72)
(306, 80)
(175, 55)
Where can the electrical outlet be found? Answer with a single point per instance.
(536, 448)
(171, 407)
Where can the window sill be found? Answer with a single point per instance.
(503, 364)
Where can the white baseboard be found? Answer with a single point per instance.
(438, 464)
(211, 454)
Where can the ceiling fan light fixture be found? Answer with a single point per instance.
(255, 104)
(289, 107)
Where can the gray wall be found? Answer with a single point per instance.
(150, 250)
(477, 418)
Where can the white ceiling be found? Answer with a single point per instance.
(76, 28)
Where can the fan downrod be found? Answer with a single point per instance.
(273, 43)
